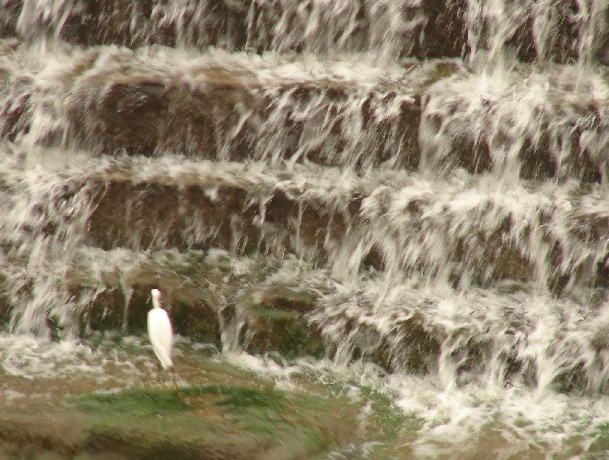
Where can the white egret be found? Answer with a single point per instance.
(160, 332)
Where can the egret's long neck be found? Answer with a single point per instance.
(156, 303)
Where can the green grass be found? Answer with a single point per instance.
(200, 417)
(238, 398)
(134, 403)
(246, 419)
(142, 402)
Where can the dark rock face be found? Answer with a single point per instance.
(259, 25)
(156, 216)
(434, 118)
(558, 240)
(217, 114)
(557, 137)
(145, 117)
(553, 31)
(14, 114)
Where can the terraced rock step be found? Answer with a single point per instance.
(251, 303)
(113, 407)
(553, 30)
(480, 334)
(433, 116)
(244, 208)
(469, 230)
(218, 106)
(555, 235)
(524, 123)
(411, 28)
(265, 305)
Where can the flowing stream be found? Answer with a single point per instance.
(435, 172)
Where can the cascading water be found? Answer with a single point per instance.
(433, 173)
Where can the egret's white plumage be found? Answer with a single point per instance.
(160, 331)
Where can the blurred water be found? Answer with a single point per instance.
(435, 173)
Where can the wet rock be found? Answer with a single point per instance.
(221, 216)
(398, 344)
(281, 325)
(474, 237)
(232, 117)
(115, 101)
(531, 128)
(259, 25)
(556, 31)
(14, 110)
(205, 299)
(198, 422)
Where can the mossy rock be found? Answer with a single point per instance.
(285, 331)
(198, 322)
(195, 291)
(235, 414)
(208, 422)
(105, 312)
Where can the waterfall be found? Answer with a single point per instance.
(434, 174)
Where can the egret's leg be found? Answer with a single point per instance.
(173, 376)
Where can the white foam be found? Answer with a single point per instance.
(517, 421)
